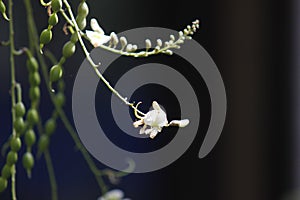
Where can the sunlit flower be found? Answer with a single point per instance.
(115, 194)
(97, 36)
(156, 119)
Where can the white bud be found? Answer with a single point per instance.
(180, 41)
(129, 48)
(168, 52)
(167, 44)
(159, 42)
(196, 22)
(186, 32)
(114, 39)
(123, 42)
(134, 47)
(180, 33)
(172, 37)
(148, 44)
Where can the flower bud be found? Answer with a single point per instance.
(148, 44)
(123, 42)
(159, 42)
(114, 39)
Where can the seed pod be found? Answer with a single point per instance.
(3, 184)
(34, 79)
(45, 36)
(6, 171)
(15, 144)
(74, 38)
(3, 10)
(32, 64)
(50, 126)
(20, 109)
(28, 160)
(61, 85)
(34, 93)
(19, 124)
(81, 22)
(83, 9)
(68, 49)
(56, 5)
(53, 19)
(30, 138)
(32, 116)
(43, 143)
(11, 158)
(60, 99)
(55, 73)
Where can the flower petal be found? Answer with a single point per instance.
(96, 38)
(137, 123)
(155, 105)
(95, 26)
(153, 133)
(180, 123)
(114, 194)
(147, 131)
(142, 130)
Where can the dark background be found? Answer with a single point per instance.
(253, 44)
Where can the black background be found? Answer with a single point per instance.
(251, 42)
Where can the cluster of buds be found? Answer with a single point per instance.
(98, 38)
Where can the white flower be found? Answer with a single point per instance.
(115, 194)
(156, 119)
(97, 37)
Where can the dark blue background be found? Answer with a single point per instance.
(249, 40)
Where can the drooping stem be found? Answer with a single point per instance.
(32, 34)
(13, 83)
(95, 67)
(51, 174)
(97, 173)
(12, 60)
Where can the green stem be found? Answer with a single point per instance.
(49, 165)
(32, 34)
(83, 151)
(97, 173)
(51, 173)
(95, 67)
(13, 84)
